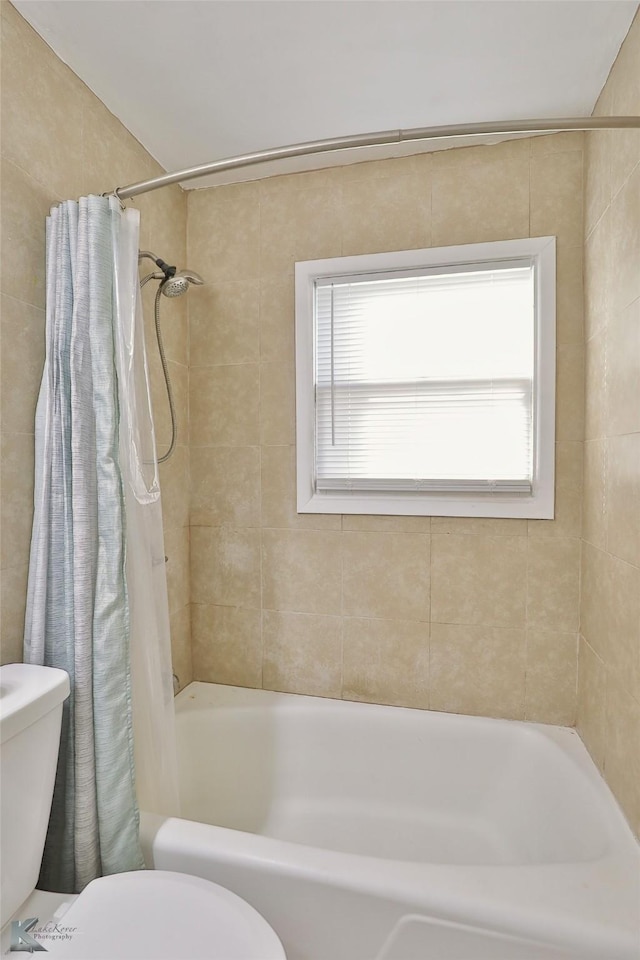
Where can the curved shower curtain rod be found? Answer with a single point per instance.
(383, 138)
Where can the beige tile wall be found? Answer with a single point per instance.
(477, 616)
(609, 656)
(58, 142)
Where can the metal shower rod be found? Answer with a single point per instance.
(383, 138)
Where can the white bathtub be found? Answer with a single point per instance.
(378, 833)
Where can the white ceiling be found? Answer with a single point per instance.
(199, 80)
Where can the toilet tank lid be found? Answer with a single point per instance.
(27, 693)
(164, 915)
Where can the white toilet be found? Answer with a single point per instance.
(154, 914)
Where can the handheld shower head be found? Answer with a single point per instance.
(178, 284)
(174, 282)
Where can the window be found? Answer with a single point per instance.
(425, 381)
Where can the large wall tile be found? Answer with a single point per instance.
(598, 276)
(556, 197)
(276, 319)
(16, 500)
(593, 504)
(570, 392)
(227, 645)
(623, 497)
(570, 294)
(224, 323)
(225, 566)
(224, 405)
(596, 389)
(302, 653)
(13, 596)
(299, 220)
(24, 206)
(478, 580)
(23, 334)
(302, 571)
(550, 685)
(477, 670)
(623, 372)
(625, 243)
(387, 214)
(225, 486)
(553, 583)
(480, 195)
(111, 157)
(386, 575)
(386, 661)
(277, 403)
(224, 232)
(174, 486)
(181, 658)
(621, 600)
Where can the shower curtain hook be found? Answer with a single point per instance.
(119, 198)
(114, 193)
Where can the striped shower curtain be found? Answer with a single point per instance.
(78, 605)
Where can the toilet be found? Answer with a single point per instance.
(154, 914)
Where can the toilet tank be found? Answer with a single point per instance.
(31, 699)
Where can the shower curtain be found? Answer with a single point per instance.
(91, 581)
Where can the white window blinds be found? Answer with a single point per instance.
(424, 380)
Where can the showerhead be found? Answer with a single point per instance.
(174, 282)
(178, 284)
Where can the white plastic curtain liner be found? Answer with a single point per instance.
(84, 607)
(151, 669)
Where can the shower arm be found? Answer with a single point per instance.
(385, 138)
(167, 271)
(147, 255)
(151, 276)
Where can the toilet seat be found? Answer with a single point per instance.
(162, 915)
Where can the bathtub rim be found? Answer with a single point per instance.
(562, 904)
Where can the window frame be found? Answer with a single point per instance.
(539, 504)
